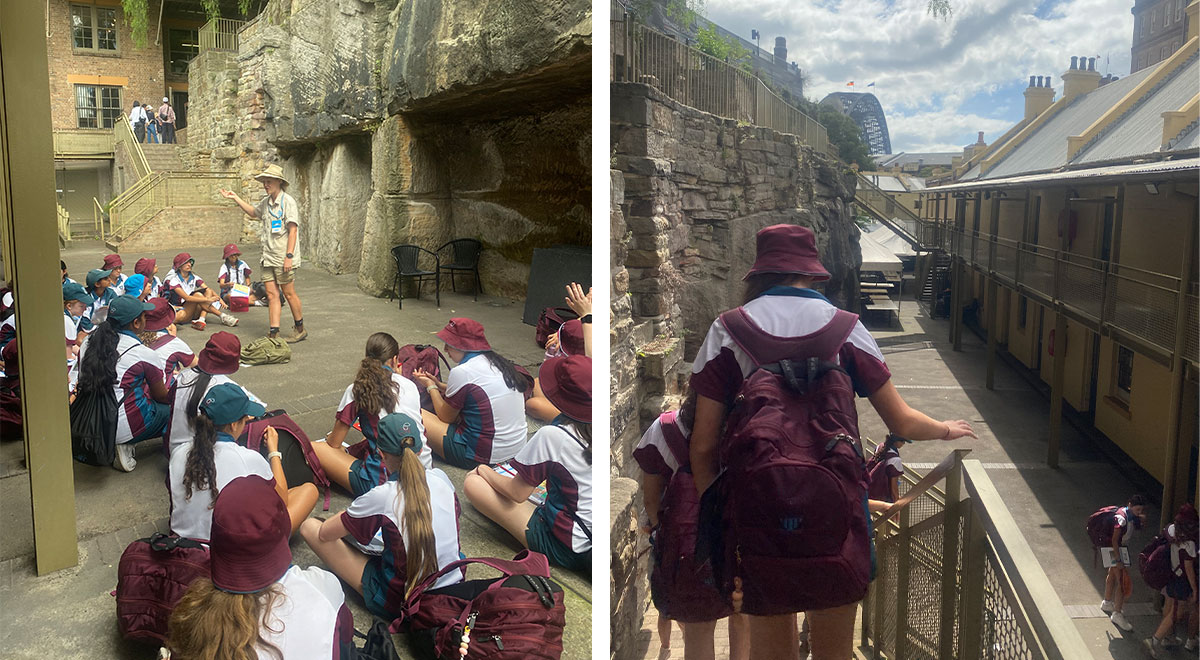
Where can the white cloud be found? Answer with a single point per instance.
(938, 81)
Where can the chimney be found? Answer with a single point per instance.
(1079, 79)
(1038, 96)
(781, 49)
(979, 141)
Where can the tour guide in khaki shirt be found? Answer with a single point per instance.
(281, 222)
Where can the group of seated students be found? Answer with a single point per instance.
(403, 523)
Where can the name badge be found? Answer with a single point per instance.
(276, 225)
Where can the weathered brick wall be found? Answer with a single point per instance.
(690, 190)
(143, 67)
(186, 227)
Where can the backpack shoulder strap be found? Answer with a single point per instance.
(764, 348)
(677, 444)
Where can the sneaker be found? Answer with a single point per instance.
(199, 324)
(229, 319)
(1153, 647)
(124, 460)
(1172, 642)
(1107, 606)
(297, 335)
(259, 303)
(1118, 619)
(1192, 644)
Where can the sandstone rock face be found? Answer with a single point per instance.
(411, 122)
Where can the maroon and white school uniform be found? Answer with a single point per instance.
(654, 452)
(189, 285)
(721, 365)
(492, 421)
(137, 367)
(239, 274)
(174, 353)
(408, 401)
(554, 455)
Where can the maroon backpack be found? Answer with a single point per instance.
(681, 585)
(152, 576)
(879, 486)
(422, 356)
(795, 526)
(550, 321)
(516, 616)
(1155, 562)
(295, 446)
(1100, 526)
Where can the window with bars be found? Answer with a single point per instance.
(1124, 381)
(94, 28)
(184, 45)
(97, 106)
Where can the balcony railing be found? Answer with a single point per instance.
(922, 234)
(83, 143)
(696, 79)
(143, 200)
(123, 135)
(220, 34)
(1140, 304)
(957, 579)
(64, 225)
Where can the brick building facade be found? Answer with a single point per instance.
(1159, 29)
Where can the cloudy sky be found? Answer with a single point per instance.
(939, 81)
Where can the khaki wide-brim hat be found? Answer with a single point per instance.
(271, 172)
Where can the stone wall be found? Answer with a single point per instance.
(411, 122)
(690, 191)
(186, 227)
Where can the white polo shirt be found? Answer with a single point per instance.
(492, 412)
(408, 401)
(553, 456)
(181, 392)
(192, 517)
(174, 353)
(302, 624)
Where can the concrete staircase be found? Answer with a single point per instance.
(163, 157)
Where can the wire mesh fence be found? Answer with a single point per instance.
(1081, 284)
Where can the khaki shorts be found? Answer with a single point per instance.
(277, 274)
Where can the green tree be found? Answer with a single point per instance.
(843, 133)
(939, 9)
(710, 42)
(137, 13)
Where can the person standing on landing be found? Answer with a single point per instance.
(166, 120)
(781, 306)
(281, 246)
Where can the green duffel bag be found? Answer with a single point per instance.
(266, 350)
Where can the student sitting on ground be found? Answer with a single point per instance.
(116, 279)
(234, 280)
(135, 285)
(256, 604)
(189, 296)
(560, 455)
(10, 393)
(65, 277)
(98, 286)
(216, 362)
(378, 390)
(418, 513)
(573, 338)
(173, 352)
(148, 268)
(113, 356)
(480, 410)
(201, 468)
(75, 303)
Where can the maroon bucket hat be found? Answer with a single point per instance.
(230, 250)
(112, 261)
(788, 249)
(465, 335)
(181, 259)
(161, 316)
(570, 338)
(145, 266)
(248, 544)
(567, 383)
(221, 354)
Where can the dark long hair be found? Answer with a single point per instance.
(199, 387)
(512, 378)
(200, 471)
(583, 431)
(374, 390)
(758, 284)
(99, 366)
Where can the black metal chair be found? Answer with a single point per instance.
(407, 266)
(464, 256)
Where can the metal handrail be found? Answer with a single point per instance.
(64, 223)
(136, 206)
(98, 213)
(220, 34)
(123, 133)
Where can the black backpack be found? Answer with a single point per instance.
(94, 424)
(377, 645)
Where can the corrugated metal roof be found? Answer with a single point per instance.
(915, 183)
(927, 158)
(1174, 170)
(1046, 149)
(887, 183)
(1139, 131)
(1190, 139)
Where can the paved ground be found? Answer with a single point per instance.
(70, 614)
(1012, 422)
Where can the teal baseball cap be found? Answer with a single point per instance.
(95, 275)
(394, 430)
(125, 309)
(75, 291)
(227, 403)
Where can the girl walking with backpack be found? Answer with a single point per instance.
(214, 366)
(256, 603)
(417, 511)
(479, 412)
(1109, 528)
(810, 452)
(113, 356)
(884, 470)
(680, 587)
(200, 469)
(559, 454)
(378, 390)
(1180, 592)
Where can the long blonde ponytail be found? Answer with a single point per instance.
(418, 518)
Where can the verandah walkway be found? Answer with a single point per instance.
(70, 614)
